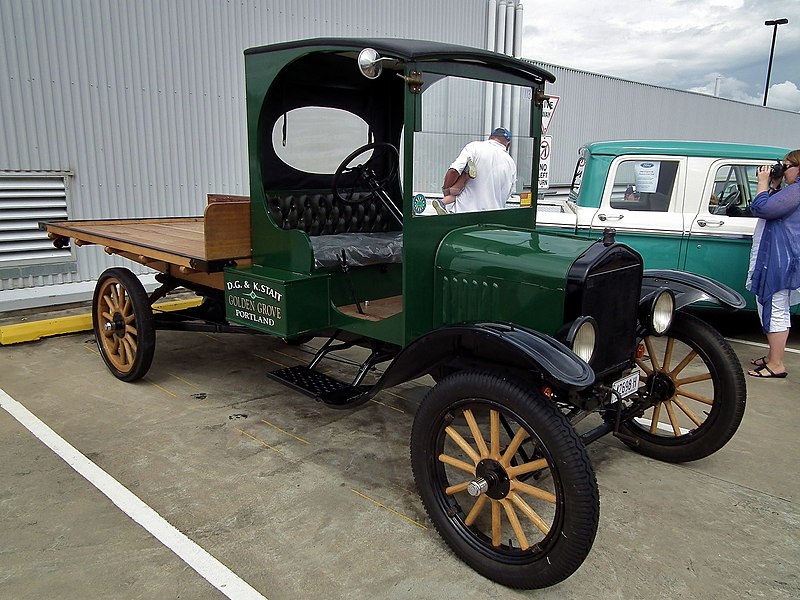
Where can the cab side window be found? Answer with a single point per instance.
(644, 185)
(733, 190)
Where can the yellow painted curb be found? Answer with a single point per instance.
(36, 330)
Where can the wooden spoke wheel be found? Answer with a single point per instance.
(698, 389)
(123, 324)
(505, 479)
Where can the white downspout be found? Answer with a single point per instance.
(515, 100)
(508, 50)
(491, 36)
(497, 104)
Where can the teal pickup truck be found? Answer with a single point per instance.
(681, 205)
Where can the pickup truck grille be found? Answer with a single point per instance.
(605, 283)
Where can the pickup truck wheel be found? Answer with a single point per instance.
(505, 479)
(699, 388)
(123, 324)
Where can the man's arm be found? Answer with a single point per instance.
(450, 178)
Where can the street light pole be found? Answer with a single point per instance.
(774, 25)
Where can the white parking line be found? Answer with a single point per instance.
(213, 571)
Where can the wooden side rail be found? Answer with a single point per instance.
(227, 227)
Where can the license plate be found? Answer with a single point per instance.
(627, 385)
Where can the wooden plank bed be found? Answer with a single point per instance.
(203, 244)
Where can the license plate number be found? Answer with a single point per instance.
(627, 385)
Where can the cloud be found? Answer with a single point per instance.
(674, 43)
(729, 87)
(784, 95)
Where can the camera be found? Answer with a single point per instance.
(777, 171)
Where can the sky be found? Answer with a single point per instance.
(682, 44)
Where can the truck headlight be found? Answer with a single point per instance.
(659, 310)
(582, 337)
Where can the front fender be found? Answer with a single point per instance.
(690, 288)
(498, 344)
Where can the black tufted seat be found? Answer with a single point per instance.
(365, 230)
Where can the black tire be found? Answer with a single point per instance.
(123, 324)
(567, 500)
(704, 399)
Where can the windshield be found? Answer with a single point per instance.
(473, 151)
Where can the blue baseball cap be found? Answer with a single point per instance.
(502, 132)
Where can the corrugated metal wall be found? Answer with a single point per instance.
(597, 107)
(144, 101)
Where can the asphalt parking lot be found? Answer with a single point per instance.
(286, 498)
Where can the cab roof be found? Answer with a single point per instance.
(687, 148)
(420, 51)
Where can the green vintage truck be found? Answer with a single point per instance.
(525, 333)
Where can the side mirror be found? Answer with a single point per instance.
(369, 63)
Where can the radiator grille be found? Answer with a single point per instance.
(608, 288)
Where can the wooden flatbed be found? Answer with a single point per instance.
(189, 248)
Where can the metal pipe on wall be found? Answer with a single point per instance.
(491, 37)
(509, 51)
(515, 99)
(497, 105)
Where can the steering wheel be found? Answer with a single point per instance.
(729, 202)
(347, 179)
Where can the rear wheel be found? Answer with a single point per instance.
(123, 324)
(698, 386)
(534, 518)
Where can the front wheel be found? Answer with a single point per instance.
(123, 324)
(505, 479)
(698, 389)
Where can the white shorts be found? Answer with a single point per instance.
(780, 319)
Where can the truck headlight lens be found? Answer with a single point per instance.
(661, 311)
(582, 337)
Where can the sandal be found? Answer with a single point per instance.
(759, 372)
(759, 362)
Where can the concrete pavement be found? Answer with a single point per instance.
(297, 500)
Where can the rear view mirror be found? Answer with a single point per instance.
(369, 63)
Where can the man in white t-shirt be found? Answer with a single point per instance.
(481, 178)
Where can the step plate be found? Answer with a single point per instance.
(332, 392)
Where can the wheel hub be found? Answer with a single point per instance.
(116, 325)
(490, 479)
(660, 386)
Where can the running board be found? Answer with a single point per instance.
(326, 389)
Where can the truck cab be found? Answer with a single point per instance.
(370, 246)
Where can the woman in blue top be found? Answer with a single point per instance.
(775, 261)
